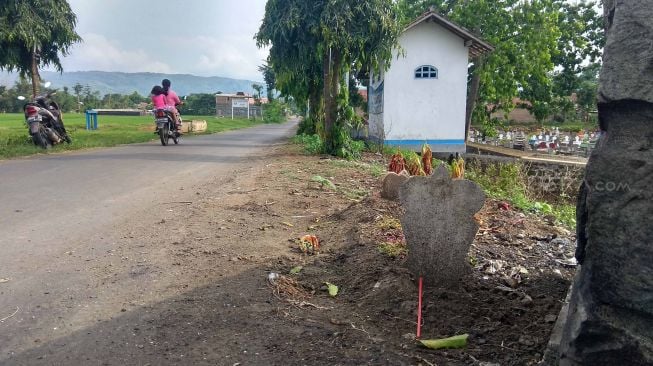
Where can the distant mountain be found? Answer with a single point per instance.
(141, 82)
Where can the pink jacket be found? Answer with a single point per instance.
(159, 101)
(172, 99)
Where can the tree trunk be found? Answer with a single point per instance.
(315, 103)
(472, 94)
(332, 60)
(34, 73)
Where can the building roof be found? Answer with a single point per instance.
(476, 45)
(243, 96)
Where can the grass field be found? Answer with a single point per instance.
(112, 131)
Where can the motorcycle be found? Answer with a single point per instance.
(165, 126)
(44, 120)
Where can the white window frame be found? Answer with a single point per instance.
(426, 72)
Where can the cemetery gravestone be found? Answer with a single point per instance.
(391, 183)
(439, 225)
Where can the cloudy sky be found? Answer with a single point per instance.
(199, 37)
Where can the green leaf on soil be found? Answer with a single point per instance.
(333, 289)
(324, 182)
(458, 341)
(296, 270)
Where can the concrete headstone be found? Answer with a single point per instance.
(439, 225)
(391, 183)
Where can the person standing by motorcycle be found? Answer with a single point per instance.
(172, 101)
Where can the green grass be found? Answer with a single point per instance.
(507, 182)
(112, 131)
(311, 143)
(375, 169)
(393, 250)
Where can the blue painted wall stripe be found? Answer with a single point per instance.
(421, 142)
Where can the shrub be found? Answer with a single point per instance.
(274, 112)
(312, 143)
(508, 182)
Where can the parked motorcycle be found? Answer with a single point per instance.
(44, 120)
(165, 126)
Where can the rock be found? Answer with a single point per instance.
(626, 72)
(512, 282)
(561, 242)
(439, 225)
(610, 317)
(550, 318)
(391, 183)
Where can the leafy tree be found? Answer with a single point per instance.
(111, 100)
(66, 101)
(134, 99)
(352, 32)
(199, 104)
(269, 77)
(78, 88)
(9, 96)
(580, 43)
(274, 112)
(294, 62)
(587, 89)
(90, 98)
(259, 89)
(355, 99)
(33, 33)
(315, 42)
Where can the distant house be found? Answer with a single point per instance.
(233, 105)
(519, 114)
(422, 96)
(263, 100)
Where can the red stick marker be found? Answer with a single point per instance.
(419, 310)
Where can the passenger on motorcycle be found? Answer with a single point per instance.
(158, 99)
(172, 101)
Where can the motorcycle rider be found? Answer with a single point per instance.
(172, 101)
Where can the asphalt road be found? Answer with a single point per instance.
(51, 205)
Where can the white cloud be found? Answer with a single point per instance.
(99, 53)
(213, 38)
(235, 56)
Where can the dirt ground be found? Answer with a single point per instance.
(209, 300)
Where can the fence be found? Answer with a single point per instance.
(225, 110)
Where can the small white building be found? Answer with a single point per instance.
(422, 97)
